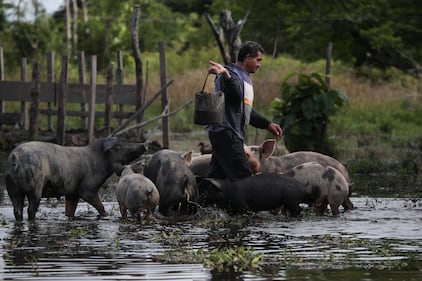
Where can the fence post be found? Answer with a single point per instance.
(82, 80)
(35, 100)
(164, 96)
(50, 78)
(24, 106)
(119, 79)
(1, 76)
(328, 63)
(61, 110)
(109, 101)
(93, 98)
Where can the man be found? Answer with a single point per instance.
(228, 157)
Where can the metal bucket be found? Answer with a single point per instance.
(209, 108)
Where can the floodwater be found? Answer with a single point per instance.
(380, 240)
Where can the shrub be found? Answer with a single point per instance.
(303, 111)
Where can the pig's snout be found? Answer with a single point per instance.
(253, 161)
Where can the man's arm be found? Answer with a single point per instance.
(259, 121)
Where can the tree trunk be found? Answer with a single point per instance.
(138, 60)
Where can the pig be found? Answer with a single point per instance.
(199, 164)
(333, 187)
(136, 193)
(275, 164)
(174, 180)
(269, 163)
(46, 170)
(261, 192)
(261, 160)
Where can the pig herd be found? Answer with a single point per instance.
(172, 183)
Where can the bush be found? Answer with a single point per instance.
(303, 111)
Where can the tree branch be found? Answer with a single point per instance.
(164, 114)
(141, 110)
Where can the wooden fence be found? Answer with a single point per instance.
(52, 98)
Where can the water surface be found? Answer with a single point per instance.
(380, 240)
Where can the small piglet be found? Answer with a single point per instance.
(46, 170)
(136, 193)
(333, 187)
(174, 180)
(262, 192)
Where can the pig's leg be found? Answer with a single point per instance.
(334, 209)
(136, 215)
(70, 208)
(347, 204)
(320, 205)
(34, 203)
(96, 203)
(17, 197)
(148, 215)
(123, 211)
(18, 206)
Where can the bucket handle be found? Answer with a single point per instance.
(205, 82)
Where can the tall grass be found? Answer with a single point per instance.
(392, 107)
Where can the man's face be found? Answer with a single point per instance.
(253, 63)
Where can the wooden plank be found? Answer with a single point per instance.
(11, 118)
(35, 100)
(24, 105)
(1, 76)
(82, 80)
(76, 113)
(77, 93)
(61, 108)
(93, 98)
(50, 78)
(109, 102)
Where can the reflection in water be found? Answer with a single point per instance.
(379, 240)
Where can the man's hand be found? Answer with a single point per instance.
(276, 130)
(217, 68)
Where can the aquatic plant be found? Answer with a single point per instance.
(180, 256)
(77, 232)
(341, 254)
(235, 259)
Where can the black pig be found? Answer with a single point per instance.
(174, 180)
(46, 170)
(262, 192)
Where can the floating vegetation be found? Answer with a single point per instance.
(340, 252)
(237, 259)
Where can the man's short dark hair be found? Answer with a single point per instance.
(249, 48)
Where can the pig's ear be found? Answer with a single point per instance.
(109, 143)
(187, 157)
(267, 148)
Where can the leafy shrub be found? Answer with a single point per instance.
(303, 111)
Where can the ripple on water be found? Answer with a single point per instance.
(381, 233)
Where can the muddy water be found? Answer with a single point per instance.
(380, 240)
